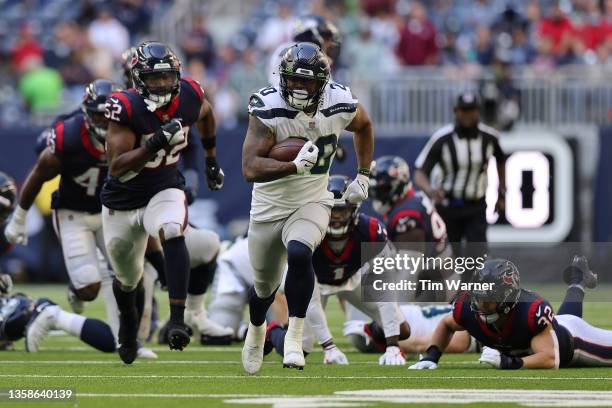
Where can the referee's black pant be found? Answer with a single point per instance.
(467, 220)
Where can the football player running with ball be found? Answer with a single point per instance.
(290, 207)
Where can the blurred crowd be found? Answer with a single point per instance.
(53, 47)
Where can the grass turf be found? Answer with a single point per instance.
(213, 376)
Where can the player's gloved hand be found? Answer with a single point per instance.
(6, 284)
(306, 158)
(333, 355)
(16, 230)
(169, 134)
(429, 361)
(393, 356)
(214, 174)
(357, 191)
(497, 360)
(424, 365)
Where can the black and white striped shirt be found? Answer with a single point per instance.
(463, 161)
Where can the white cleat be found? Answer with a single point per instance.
(146, 353)
(41, 322)
(200, 323)
(253, 349)
(294, 355)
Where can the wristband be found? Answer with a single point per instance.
(209, 142)
(433, 354)
(511, 362)
(364, 170)
(211, 162)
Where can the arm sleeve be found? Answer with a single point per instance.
(498, 153)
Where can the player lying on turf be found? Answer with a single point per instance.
(21, 317)
(338, 265)
(519, 328)
(423, 320)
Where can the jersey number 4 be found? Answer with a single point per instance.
(89, 180)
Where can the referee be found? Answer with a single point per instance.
(461, 151)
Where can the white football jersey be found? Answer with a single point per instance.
(277, 199)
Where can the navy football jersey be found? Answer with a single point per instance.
(527, 319)
(134, 190)
(415, 210)
(84, 166)
(332, 269)
(41, 140)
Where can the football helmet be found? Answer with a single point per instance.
(318, 30)
(93, 106)
(304, 72)
(506, 289)
(344, 215)
(126, 67)
(15, 313)
(155, 60)
(8, 195)
(389, 182)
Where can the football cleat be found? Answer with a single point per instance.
(294, 355)
(128, 334)
(253, 349)
(76, 304)
(210, 331)
(580, 270)
(44, 318)
(179, 336)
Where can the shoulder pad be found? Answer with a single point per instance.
(372, 228)
(267, 104)
(539, 315)
(119, 107)
(195, 86)
(339, 99)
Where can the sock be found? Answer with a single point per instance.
(98, 335)
(177, 268)
(126, 302)
(194, 303)
(112, 311)
(201, 277)
(277, 338)
(177, 313)
(295, 330)
(140, 299)
(299, 283)
(156, 259)
(69, 322)
(572, 304)
(259, 306)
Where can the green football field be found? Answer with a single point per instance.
(212, 376)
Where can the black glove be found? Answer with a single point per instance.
(214, 174)
(167, 134)
(510, 362)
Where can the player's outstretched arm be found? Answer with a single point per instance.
(543, 347)
(47, 167)
(122, 157)
(207, 125)
(256, 165)
(440, 339)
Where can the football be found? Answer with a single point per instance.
(286, 150)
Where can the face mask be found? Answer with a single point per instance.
(489, 318)
(299, 99)
(155, 102)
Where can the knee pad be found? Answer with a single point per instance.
(82, 278)
(171, 230)
(298, 253)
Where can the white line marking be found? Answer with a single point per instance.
(194, 362)
(303, 377)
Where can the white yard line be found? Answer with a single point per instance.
(302, 377)
(194, 362)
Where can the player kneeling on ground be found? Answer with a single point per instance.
(519, 328)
